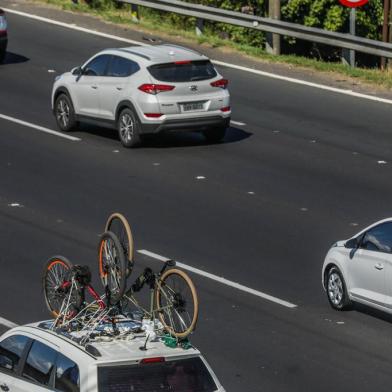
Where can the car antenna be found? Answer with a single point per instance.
(144, 347)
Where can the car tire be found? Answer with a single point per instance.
(2, 56)
(128, 127)
(65, 113)
(215, 135)
(337, 290)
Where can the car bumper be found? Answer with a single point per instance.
(190, 124)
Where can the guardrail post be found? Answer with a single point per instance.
(273, 40)
(199, 26)
(135, 13)
(348, 55)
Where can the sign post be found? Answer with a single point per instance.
(353, 4)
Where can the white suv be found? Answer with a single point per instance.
(36, 358)
(144, 90)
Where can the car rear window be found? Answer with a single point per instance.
(185, 375)
(191, 71)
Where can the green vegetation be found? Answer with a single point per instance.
(235, 38)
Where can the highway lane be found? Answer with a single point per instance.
(263, 240)
(252, 344)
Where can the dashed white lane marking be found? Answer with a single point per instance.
(239, 123)
(221, 280)
(228, 65)
(7, 323)
(15, 205)
(39, 128)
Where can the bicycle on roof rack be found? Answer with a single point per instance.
(173, 302)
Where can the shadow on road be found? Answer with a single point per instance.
(171, 139)
(373, 312)
(13, 58)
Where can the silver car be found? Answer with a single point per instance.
(144, 90)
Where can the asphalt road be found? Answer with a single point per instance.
(303, 172)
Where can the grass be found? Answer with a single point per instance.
(151, 22)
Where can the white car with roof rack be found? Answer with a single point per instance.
(144, 90)
(37, 357)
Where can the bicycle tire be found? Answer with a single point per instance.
(118, 224)
(51, 283)
(165, 288)
(112, 266)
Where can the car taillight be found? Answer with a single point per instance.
(225, 109)
(222, 83)
(155, 88)
(153, 360)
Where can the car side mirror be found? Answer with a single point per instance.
(77, 71)
(352, 243)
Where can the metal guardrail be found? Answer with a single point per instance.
(312, 34)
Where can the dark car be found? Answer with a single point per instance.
(3, 35)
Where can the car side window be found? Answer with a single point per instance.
(40, 363)
(67, 375)
(97, 66)
(121, 67)
(379, 238)
(11, 350)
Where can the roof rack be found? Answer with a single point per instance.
(135, 53)
(184, 48)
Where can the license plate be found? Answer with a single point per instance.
(191, 106)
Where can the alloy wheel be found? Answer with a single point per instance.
(126, 127)
(335, 289)
(63, 112)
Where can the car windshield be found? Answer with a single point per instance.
(190, 71)
(184, 375)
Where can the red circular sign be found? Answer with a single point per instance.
(353, 3)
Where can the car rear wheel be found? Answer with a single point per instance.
(2, 56)
(336, 290)
(65, 113)
(215, 135)
(128, 128)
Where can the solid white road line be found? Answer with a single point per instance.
(304, 82)
(239, 123)
(39, 128)
(73, 27)
(222, 63)
(220, 280)
(7, 323)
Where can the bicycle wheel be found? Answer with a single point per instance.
(112, 266)
(177, 302)
(60, 294)
(118, 224)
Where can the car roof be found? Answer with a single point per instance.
(158, 53)
(116, 350)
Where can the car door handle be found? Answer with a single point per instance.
(379, 266)
(119, 88)
(94, 87)
(4, 387)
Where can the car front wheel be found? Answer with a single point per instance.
(65, 114)
(336, 290)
